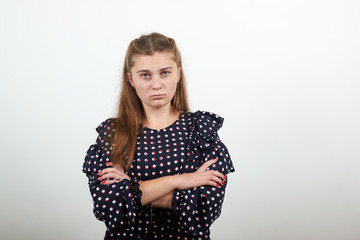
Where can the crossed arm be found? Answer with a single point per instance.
(159, 191)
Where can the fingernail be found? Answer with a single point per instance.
(216, 159)
(103, 182)
(225, 177)
(218, 185)
(99, 173)
(99, 178)
(222, 183)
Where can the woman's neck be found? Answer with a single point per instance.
(160, 118)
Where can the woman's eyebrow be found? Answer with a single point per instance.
(146, 70)
(162, 69)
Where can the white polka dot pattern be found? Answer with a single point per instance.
(199, 207)
(180, 148)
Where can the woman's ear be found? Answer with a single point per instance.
(129, 78)
(179, 73)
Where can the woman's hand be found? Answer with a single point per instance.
(201, 177)
(113, 174)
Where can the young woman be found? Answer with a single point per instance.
(157, 170)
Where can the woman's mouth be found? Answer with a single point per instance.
(157, 96)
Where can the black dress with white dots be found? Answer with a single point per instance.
(179, 148)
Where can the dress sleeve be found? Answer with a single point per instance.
(199, 207)
(115, 204)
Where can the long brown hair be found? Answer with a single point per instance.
(130, 114)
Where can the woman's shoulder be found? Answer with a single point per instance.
(203, 129)
(106, 131)
(205, 121)
(203, 138)
(106, 125)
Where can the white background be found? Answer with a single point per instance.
(284, 74)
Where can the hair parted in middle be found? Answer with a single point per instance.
(130, 113)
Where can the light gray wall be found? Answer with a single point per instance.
(284, 75)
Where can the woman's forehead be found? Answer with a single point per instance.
(158, 60)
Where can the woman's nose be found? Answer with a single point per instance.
(156, 83)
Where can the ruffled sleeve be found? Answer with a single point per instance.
(199, 207)
(117, 203)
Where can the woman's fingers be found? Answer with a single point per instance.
(214, 173)
(117, 175)
(206, 165)
(110, 175)
(108, 182)
(216, 177)
(206, 178)
(219, 175)
(114, 175)
(109, 170)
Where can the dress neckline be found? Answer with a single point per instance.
(165, 128)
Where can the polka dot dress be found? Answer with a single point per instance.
(179, 148)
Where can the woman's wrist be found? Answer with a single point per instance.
(163, 202)
(157, 188)
(175, 180)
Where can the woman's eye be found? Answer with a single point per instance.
(165, 73)
(144, 75)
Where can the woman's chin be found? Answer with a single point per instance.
(159, 104)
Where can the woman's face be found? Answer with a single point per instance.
(155, 78)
